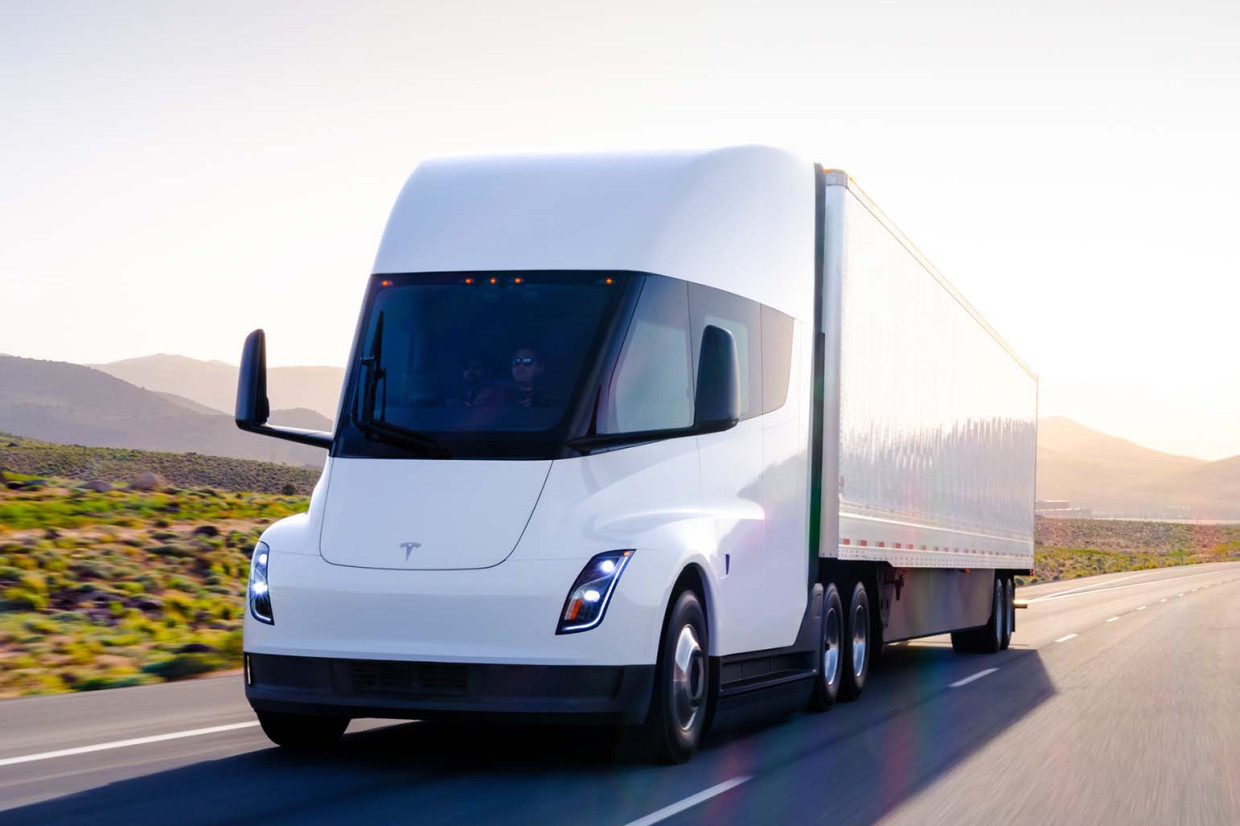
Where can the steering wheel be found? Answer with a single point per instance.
(492, 392)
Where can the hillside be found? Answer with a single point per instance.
(71, 404)
(118, 466)
(1119, 478)
(214, 383)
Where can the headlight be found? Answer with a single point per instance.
(588, 598)
(260, 592)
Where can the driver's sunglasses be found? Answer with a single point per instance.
(524, 361)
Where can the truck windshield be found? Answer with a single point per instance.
(444, 360)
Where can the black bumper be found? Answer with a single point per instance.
(426, 690)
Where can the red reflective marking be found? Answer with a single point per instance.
(845, 542)
(863, 543)
(882, 544)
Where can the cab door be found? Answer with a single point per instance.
(731, 472)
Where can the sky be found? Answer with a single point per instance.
(174, 175)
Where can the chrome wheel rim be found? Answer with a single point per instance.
(831, 648)
(1000, 620)
(860, 637)
(688, 678)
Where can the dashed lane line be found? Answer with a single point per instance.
(689, 802)
(1066, 637)
(972, 677)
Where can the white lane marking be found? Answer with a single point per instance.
(1095, 585)
(1065, 639)
(1142, 608)
(1112, 619)
(120, 744)
(972, 677)
(689, 802)
(1180, 594)
(1103, 587)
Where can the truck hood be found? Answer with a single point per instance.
(409, 514)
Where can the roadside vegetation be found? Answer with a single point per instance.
(124, 584)
(125, 567)
(1070, 548)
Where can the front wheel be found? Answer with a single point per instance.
(678, 708)
(303, 732)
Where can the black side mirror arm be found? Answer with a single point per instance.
(253, 409)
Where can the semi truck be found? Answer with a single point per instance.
(640, 439)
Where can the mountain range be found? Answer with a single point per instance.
(174, 403)
(71, 404)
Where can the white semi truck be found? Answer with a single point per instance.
(637, 439)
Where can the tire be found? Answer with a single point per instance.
(831, 655)
(302, 732)
(857, 648)
(678, 708)
(1009, 612)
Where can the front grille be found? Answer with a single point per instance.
(416, 679)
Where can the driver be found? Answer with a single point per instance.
(527, 367)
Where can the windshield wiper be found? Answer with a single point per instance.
(402, 437)
(376, 427)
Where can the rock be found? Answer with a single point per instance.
(97, 485)
(13, 485)
(146, 481)
(196, 648)
(51, 533)
(149, 604)
(206, 530)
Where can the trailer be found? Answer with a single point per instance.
(641, 440)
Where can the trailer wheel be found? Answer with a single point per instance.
(831, 655)
(678, 708)
(302, 732)
(1009, 611)
(857, 649)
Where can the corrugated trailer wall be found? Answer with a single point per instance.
(937, 415)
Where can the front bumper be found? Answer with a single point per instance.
(424, 690)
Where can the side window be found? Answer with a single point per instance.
(776, 358)
(651, 387)
(743, 319)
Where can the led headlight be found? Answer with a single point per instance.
(588, 598)
(260, 592)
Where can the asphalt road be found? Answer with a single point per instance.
(1119, 702)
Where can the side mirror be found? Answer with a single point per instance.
(253, 409)
(718, 402)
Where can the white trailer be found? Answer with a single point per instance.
(640, 439)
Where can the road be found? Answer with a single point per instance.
(1119, 702)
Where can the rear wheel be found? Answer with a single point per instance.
(303, 732)
(856, 649)
(678, 708)
(831, 656)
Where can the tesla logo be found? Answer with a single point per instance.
(409, 546)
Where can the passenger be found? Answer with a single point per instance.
(474, 374)
(526, 368)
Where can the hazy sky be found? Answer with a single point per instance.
(173, 175)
